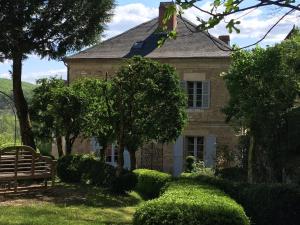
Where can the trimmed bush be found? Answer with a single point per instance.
(187, 203)
(89, 169)
(68, 169)
(189, 163)
(265, 204)
(125, 182)
(233, 173)
(150, 182)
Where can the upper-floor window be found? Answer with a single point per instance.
(198, 94)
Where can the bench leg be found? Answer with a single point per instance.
(16, 186)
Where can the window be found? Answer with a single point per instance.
(195, 147)
(111, 154)
(138, 45)
(198, 94)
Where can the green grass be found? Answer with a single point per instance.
(6, 87)
(69, 205)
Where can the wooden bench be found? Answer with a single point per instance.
(21, 163)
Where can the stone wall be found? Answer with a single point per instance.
(200, 122)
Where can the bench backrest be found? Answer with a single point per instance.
(23, 160)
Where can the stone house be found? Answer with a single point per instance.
(198, 59)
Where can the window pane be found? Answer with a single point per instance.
(199, 94)
(200, 148)
(190, 146)
(190, 90)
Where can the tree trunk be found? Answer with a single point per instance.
(68, 145)
(120, 165)
(59, 146)
(21, 104)
(132, 159)
(250, 160)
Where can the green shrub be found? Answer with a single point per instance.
(68, 169)
(265, 204)
(187, 203)
(189, 163)
(125, 182)
(150, 182)
(89, 169)
(233, 173)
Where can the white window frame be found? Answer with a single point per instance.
(203, 94)
(195, 146)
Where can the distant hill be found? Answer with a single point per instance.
(6, 86)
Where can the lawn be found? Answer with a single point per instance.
(68, 205)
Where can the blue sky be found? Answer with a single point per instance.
(130, 13)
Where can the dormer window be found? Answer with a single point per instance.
(138, 45)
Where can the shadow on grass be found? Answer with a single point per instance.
(74, 195)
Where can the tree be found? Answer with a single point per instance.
(58, 110)
(47, 29)
(263, 85)
(42, 119)
(223, 11)
(98, 116)
(149, 103)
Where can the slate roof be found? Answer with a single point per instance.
(188, 44)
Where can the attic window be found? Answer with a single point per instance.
(138, 45)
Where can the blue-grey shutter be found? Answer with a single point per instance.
(205, 94)
(94, 144)
(126, 159)
(178, 156)
(210, 151)
(183, 84)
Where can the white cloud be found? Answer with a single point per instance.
(5, 75)
(128, 16)
(32, 77)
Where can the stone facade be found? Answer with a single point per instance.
(201, 122)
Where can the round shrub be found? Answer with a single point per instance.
(151, 182)
(68, 168)
(188, 203)
(125, 182)
(232, 173)
(189, 163)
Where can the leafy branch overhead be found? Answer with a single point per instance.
(223, 10)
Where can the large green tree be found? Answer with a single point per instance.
(149, 103)
(98, 115)
(263, 86)
(57, 111)
(48, 29)
(42, 119)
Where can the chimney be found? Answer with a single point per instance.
(172, 23)
(225, 38)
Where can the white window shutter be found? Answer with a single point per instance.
(206, 94)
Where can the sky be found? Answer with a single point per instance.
(130, 13)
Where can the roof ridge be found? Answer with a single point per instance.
(206, 33)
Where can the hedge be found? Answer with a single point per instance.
(89, 169)
(187, 203)
(265, 204)
(150, 182)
